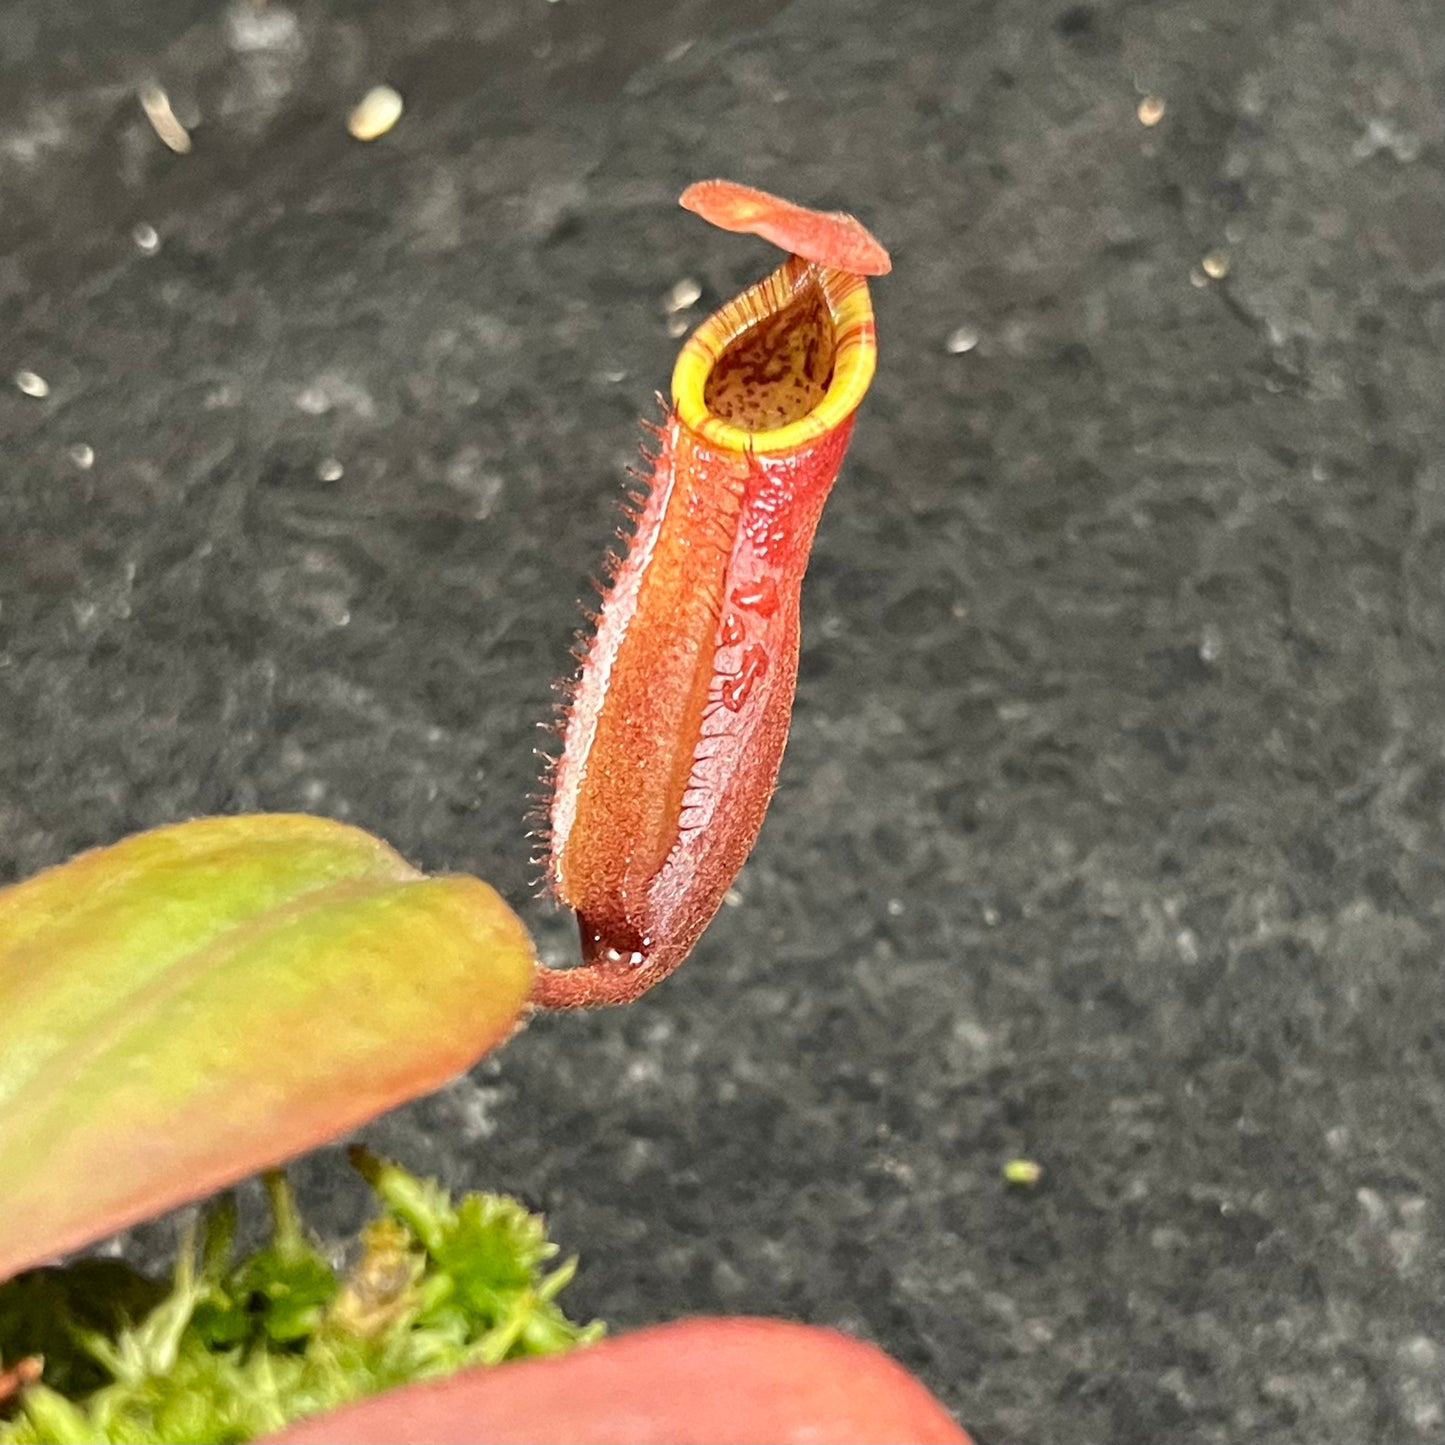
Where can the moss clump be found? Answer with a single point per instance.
(233, 1350)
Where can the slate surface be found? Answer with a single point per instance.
(1109, 834)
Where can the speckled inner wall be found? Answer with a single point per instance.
(1109, 834)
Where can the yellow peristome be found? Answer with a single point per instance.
(854, 359)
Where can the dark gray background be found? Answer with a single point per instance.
(1109, 833)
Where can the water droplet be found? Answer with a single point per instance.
(961, 340)
(32, 384)
(146, 238)
(1151, 110)
(632, 958)
(685, 293)
(157, 106)
(738, 688)
(330, 470)
(380, 109)
(760, 596)
(1215, 265)
(82, 456)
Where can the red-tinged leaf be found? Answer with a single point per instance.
(205, 1000)
(696, 1382)
(831, 238)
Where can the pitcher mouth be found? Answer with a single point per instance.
(780, 365)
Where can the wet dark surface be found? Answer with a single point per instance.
(1109, 833)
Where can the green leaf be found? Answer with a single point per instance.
(206, 1000)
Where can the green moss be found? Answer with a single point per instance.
(233, 1350)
